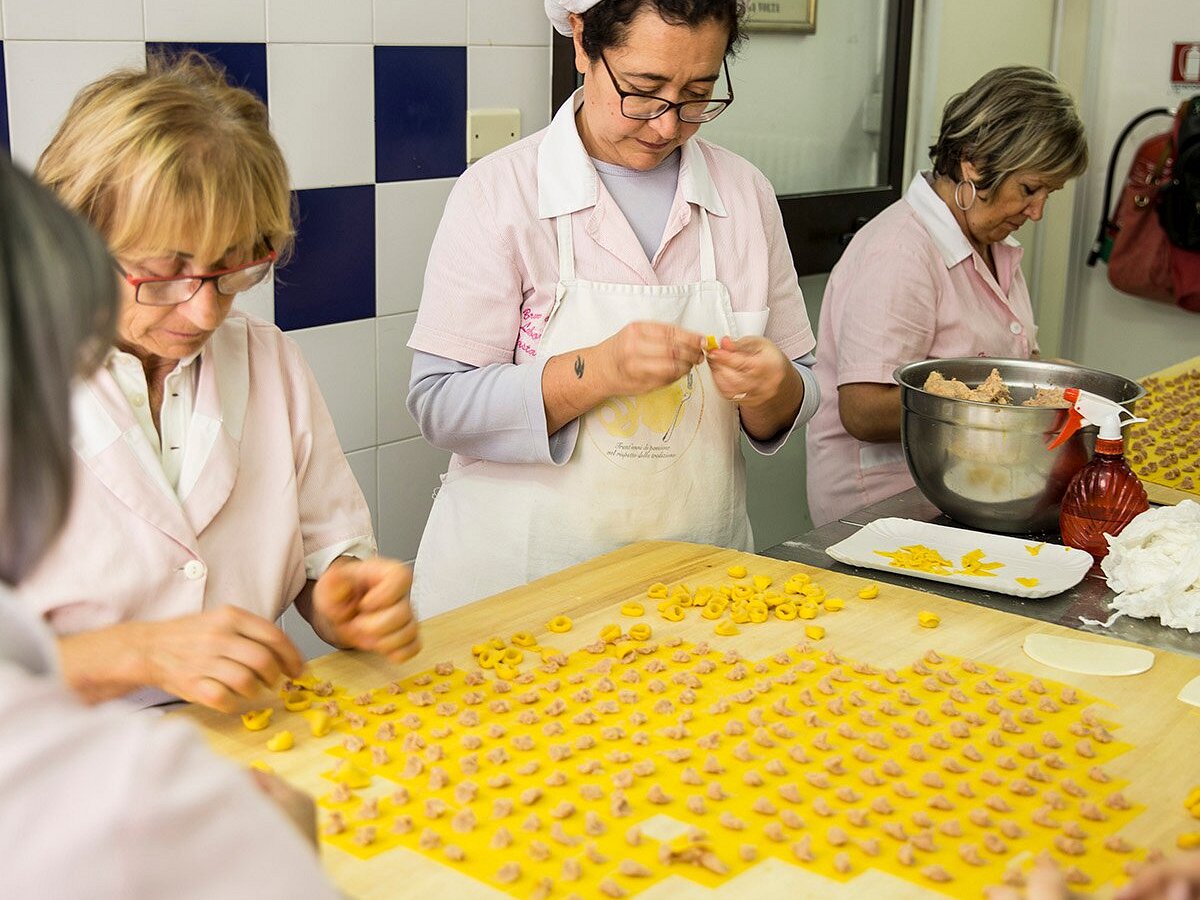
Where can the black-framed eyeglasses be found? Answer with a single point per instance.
(171, 290)
(647, 106)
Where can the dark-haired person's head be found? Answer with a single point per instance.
(58, 292)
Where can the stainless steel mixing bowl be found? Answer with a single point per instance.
(987, 465)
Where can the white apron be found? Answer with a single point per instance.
(665, 465)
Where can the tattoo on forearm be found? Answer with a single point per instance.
(578, 366)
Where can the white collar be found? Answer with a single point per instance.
(117, 354)
(568, 182)
(933, 213)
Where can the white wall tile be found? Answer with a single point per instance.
(365, 465)
(43, 78)
(409, 473)
(1, 20)
(511, 76)
(342, 357)
(302, 635)
(209, 20)
(258, 301)
(518, 22)
(70, 20)
(395, 365)
(322, 101)
(407, 214)
(320, 21)
(419, 22)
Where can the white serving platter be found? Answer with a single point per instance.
(1055, 567)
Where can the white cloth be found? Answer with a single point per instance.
(1154, 566)
(558, 11)
(663, 465)
(107, 805)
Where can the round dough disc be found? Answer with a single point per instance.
(1087, 657)
(1191, 692)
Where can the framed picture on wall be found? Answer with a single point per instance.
(797, 16)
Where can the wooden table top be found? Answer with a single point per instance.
(883, 632)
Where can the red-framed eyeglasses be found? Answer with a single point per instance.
(171, 290)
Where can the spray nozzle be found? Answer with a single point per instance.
(1092, 409)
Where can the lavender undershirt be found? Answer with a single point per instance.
(496, 412)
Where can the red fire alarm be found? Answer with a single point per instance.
(1185, 64)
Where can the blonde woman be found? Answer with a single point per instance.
(211, 489)
(937, 274)
(99, 803)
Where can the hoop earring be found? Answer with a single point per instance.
(969, 203)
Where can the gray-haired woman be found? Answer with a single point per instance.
(936, 274)
(98, 803)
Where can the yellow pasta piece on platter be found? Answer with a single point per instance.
(523, 639)
(759, 613)
(258, 719)
(1192, 798)
(927, 619)
(740, 615)
(727, 628)
(657, 591)
(736, 571)
(761, 582)
(673, 613)
(805, 611)
(1188, 841)
(507, 672)
(261, 766)
(1028, 582)
(488, 658)
(870, 592)
(814, 632)
(497, 643)
(1034, 549)
(640, 632)
(713, 610)
(560, 624)
(281, 742)
(477, 649)
(833, 604)
(786, 611)
(610, 633)
(633, 609)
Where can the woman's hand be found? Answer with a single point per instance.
(222, 658)
(640, 358)
(754, 373)
(293, 802)
(749, 371)
(644, 356)
(1177, 876)
(363, 604)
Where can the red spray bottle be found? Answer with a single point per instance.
(1105, 495)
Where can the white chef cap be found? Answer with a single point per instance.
(559, 10)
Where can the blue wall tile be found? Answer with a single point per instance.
(245, 64)
(420, 112)
(331, 276)
(3, 103)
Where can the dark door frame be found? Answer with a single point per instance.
(820, 224)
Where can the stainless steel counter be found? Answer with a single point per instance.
(1089, 598)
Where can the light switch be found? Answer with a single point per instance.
(491, 129)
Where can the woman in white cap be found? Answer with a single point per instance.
(562, 347)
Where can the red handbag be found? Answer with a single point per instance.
(1139, 262)
(1142, 260)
